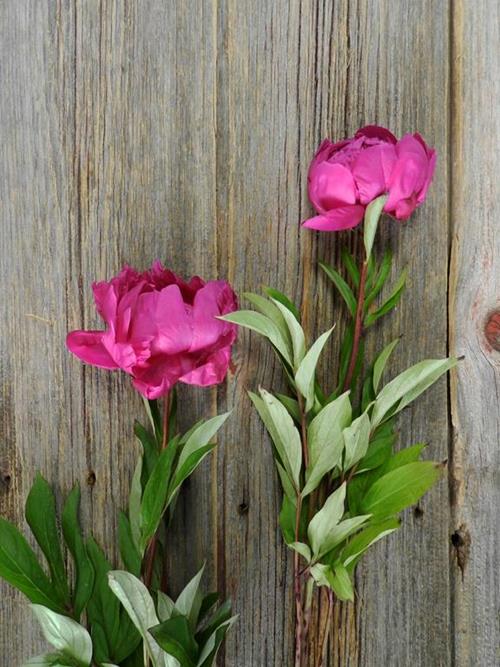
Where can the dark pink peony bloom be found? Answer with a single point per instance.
(345, 177)
(160, 329)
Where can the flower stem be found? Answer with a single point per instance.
(358, 326)
(298, 589)
(326, 629)
(151, 550)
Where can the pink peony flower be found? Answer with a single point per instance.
(160, 329)
(345, 177)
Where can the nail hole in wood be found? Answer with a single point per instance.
(6, 480)
(461, 542)
(418, 512)
(91, 478)
(243, 508)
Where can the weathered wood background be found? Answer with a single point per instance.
(134, 129)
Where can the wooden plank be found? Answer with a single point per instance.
(474, 298)
(108, 130)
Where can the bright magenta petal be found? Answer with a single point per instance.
(372, 170)
(345, 217)
(330, 186)
(87, 346)
(212, 372)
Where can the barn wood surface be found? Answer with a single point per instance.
(183, 131)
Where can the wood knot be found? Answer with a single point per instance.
(91, 478)
(5, 480)
(492, 330)
(243, 508)
(461, 542)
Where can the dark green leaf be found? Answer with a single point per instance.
(363, 540)
(187, 467)
(390, 303)
(175, 638)
(343, 288)
(341, 583)
(155, 494)
(291, 405)
(21, 569)
(150, 451)
(383, 274)
(84, 579)
(222, 615)
(130, 555)
(345, 355)
(207, 604)
(287, 520)
(41, 518)
(381, 362)
(400, 488)
(351, 267)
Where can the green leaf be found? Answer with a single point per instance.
(356, 439)
(84, 580)
(305, 375)
(302, 549)
(285, 435)
(50, 660)
(165, 606)
(400, 488)
(188, 603)
(41, 518)
(175, 638)
(342, 286)
(372, 216)
(270, 310)
(364, 539)
(139, 605)
(296, 333)
(351, 267)
(201, 436)
(341, 583)
(325, 440)
(65, 635)
(188, 466)
(390, 303)
(287, 519)
(379, 448)
(291, 405)
(150, 451)
(381, 362)
(20, 568)
(323, 522)
(134, 502)
(262, 325)
(342, 531)
(383, 274)
(221, 616)
(283, 299)
(155, 495)
(407, 386)
(154, 416)
(211, 646)
(130, 554)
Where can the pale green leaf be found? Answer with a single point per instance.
(201, 436)
(325, 440)
(270, 310)
(165, 606)
(343, 530)
(296, 333)
(407, 386)
(381, 362)
(324, 521)
(189, 601)
(302, 549)
(305, 375)
(321, 574)
(372, 216)
(134, 504)
(400, 488)
(356, 440)
(65, 635)
(341, 583)
(264, 326)
(139, 605)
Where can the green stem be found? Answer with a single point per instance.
(358, 326)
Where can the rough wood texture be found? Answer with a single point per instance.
(183, 130)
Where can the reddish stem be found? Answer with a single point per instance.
(151, 551)
(326, 630)
(358, 326)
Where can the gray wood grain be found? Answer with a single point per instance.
(136, 130)
(474, 297)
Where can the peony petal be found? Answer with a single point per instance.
(345, 217)
(376, 132)
(430, 173)
(331, 186)
(160, 373)
(174, 331)
(87, 346)
(212, 372)
(372, 171)
(215, 299)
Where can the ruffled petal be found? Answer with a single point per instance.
(212, 372)
(216, 298)
(88, 346)
(345, 217)
(376, 132)
(372, 171)
(174, 328)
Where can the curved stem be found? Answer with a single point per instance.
(151, 550)
(358, 326)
